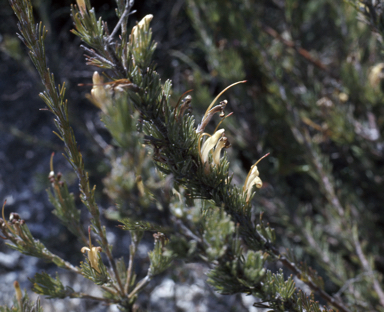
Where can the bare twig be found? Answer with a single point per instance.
(304, 53)
(141, 284)
(350, 282)
(85, 296)
(132, 251)
(367, 266)
(293, 267)
(123, 19)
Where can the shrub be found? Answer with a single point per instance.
(319, 207)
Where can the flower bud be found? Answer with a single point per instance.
(19, 294)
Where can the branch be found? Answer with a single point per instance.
(367, 267)
(304, 53)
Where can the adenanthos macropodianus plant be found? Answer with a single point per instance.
(226, 235)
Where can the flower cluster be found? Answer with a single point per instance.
(218, 141)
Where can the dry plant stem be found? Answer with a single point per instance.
(124, 33)
(321, 255)
(117, 289)
(133, 249)
(187, 231)
(85, 296)
(326, 183)
(122, 21)
(350, 282)
(292, 266)
(111, 261)
(368, 269)
(304, 53)
(108, 289)
(333, 199)
(330, 193)
(95, 55)
(141, 284)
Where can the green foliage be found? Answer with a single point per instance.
(158, 259)
(24, 305)
(65, 208)
(253, 268)
(241, 274)
(276, 284)
(266, 231)
(86, 20)
(218, 231)
(44, 284)
(309, 304)
(307, 114)
(22, 240)
(131, 225)
(99, 278)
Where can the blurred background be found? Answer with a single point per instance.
(313, 99)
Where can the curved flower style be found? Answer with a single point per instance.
(217, 140)
(253, 179)
(218, 108)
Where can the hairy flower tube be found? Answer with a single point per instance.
(93, 253)
(253, 179)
